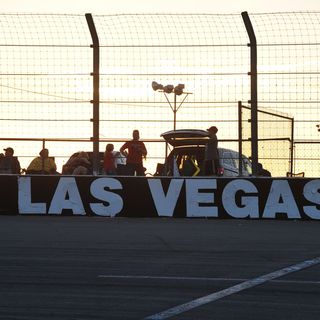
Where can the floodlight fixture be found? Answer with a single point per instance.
(178, 90)
(156, 86)
(168, 88)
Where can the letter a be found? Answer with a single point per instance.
(280, 189)
(67, 188)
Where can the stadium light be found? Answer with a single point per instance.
(156, 86)
(177, 90)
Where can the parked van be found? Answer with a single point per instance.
(186, 157)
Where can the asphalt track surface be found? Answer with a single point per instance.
(126, 268)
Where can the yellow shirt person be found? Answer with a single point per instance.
(42, 164)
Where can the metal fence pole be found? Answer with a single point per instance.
(96, 91)
(240, 136)
(254, 91)
(292, 146)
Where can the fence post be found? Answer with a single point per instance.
(240, 136)
(292, 146)
(96, 91)
(254, 91)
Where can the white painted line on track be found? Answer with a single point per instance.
(133, 277)
(235, 289)
(167, 278)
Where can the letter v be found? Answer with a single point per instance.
(165, 203)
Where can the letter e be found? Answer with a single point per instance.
(195, 198)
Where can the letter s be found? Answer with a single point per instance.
(312, 194)
(97, 189)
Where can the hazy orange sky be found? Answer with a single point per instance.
(107, 7)
(149, 6)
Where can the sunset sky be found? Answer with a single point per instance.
(148, 6)
(38, 88)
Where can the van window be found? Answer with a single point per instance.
(247, 166)
(236, 161)
(227, 159)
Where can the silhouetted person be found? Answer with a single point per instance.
(43, 164)
(78, 164)
(262, 172)
(136, 152)
(8, 163)
(211, 155)
(109, 164)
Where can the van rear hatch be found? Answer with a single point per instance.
(186, 137)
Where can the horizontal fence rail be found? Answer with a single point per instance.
(74, 82)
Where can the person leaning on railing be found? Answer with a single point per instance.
(78, 164)
(8, 163)
(43, 164)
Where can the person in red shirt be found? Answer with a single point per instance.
(136, 152)
(109, 161)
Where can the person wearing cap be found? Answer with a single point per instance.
(211, 157)
(8, 163)
(137, 151)
(43, 164)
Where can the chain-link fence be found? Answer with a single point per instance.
(48, 90)
(275, 140)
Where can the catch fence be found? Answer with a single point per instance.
(74, 82)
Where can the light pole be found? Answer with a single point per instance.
(177, 90)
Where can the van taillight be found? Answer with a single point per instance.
(220, 171)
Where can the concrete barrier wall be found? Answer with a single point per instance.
(242, 198)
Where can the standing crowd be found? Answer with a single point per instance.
(127, 161)
(134, 151)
